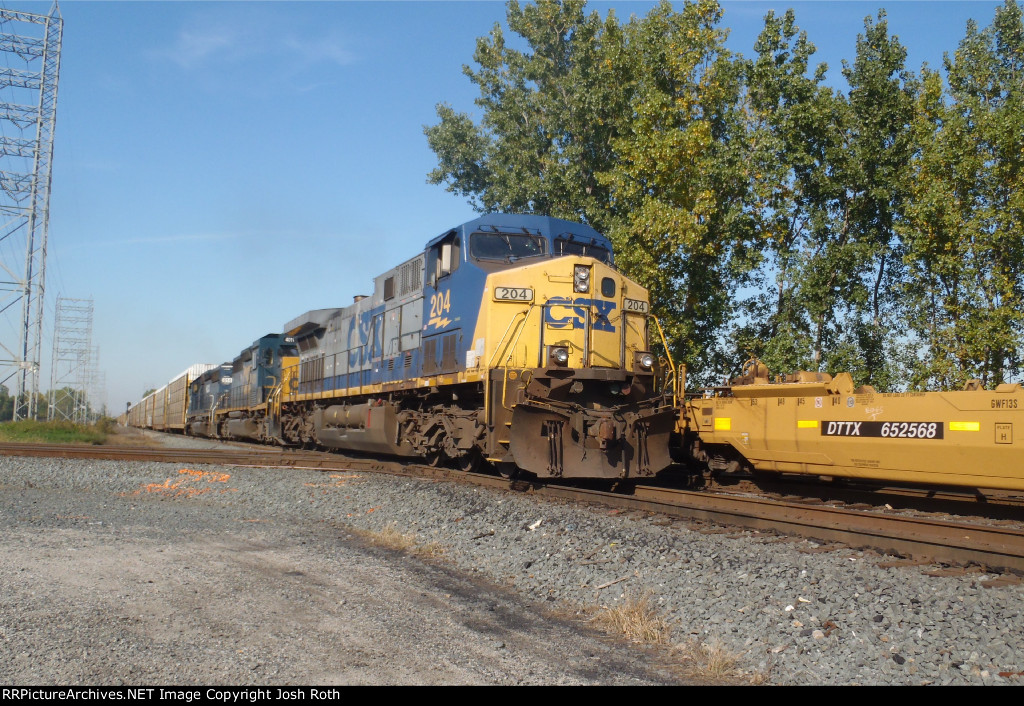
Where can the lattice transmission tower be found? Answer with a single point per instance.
(29, 67)
(72, 370)
(97, 391)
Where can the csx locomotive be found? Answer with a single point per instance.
(509, 339)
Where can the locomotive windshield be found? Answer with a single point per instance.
(505, 246)
(579, 247)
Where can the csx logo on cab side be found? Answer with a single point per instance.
(577, 309)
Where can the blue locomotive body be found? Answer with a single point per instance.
(423, 312)
(435, 360)
(508, 339)
(206, 394)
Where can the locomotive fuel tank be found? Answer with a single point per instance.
(370, 427)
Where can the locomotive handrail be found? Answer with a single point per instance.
(487, 386)
(213, 413)
(521, 328)
(668, 357)
(588, 332)
(507, 329)
(274, 409)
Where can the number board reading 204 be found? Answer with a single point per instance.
(636, 306)
(890, 430)
(513, 294)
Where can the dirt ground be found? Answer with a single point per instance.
(102, 586)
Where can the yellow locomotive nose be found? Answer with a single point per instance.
(571, 373)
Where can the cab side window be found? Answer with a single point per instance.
(443, 258)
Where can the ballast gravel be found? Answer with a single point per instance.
(144, 572)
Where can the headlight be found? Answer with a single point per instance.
(645, 360)
(560, 356)
(581, 278)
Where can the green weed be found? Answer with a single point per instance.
(30, 430)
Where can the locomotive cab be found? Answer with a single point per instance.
(206, 394)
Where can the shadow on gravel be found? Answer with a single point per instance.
(513, 621)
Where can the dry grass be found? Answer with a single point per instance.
(715, 662)
(635, 619)
(430, 550)
(712, 661)
(391, 538)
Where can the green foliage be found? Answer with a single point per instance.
(6, 404)
(66, 403)
(830, 183)
(679, 181)
(792, 138)
(625, 127)
(876, 231)
(549, 116)
(30, 430)
(966, 216)
(881, 99)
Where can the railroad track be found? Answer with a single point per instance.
(990, 503)
(921, 538)
(258, 456)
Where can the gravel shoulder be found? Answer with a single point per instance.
(141, 573)
(116, 573)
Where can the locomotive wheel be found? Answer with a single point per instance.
(470, 462)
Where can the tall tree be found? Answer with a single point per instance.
(965, 249)
(628, 128)
(680, 178)
(876, 229)
(880, 146)
(791, 130)
(549, 115)
(6, 404)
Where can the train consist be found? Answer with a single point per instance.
(510, 339)
(514, 340)
(166, 409)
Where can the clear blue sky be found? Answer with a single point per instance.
(221, 168)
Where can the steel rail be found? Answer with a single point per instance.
(868, 492)
(124, 453)
(922, 538)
